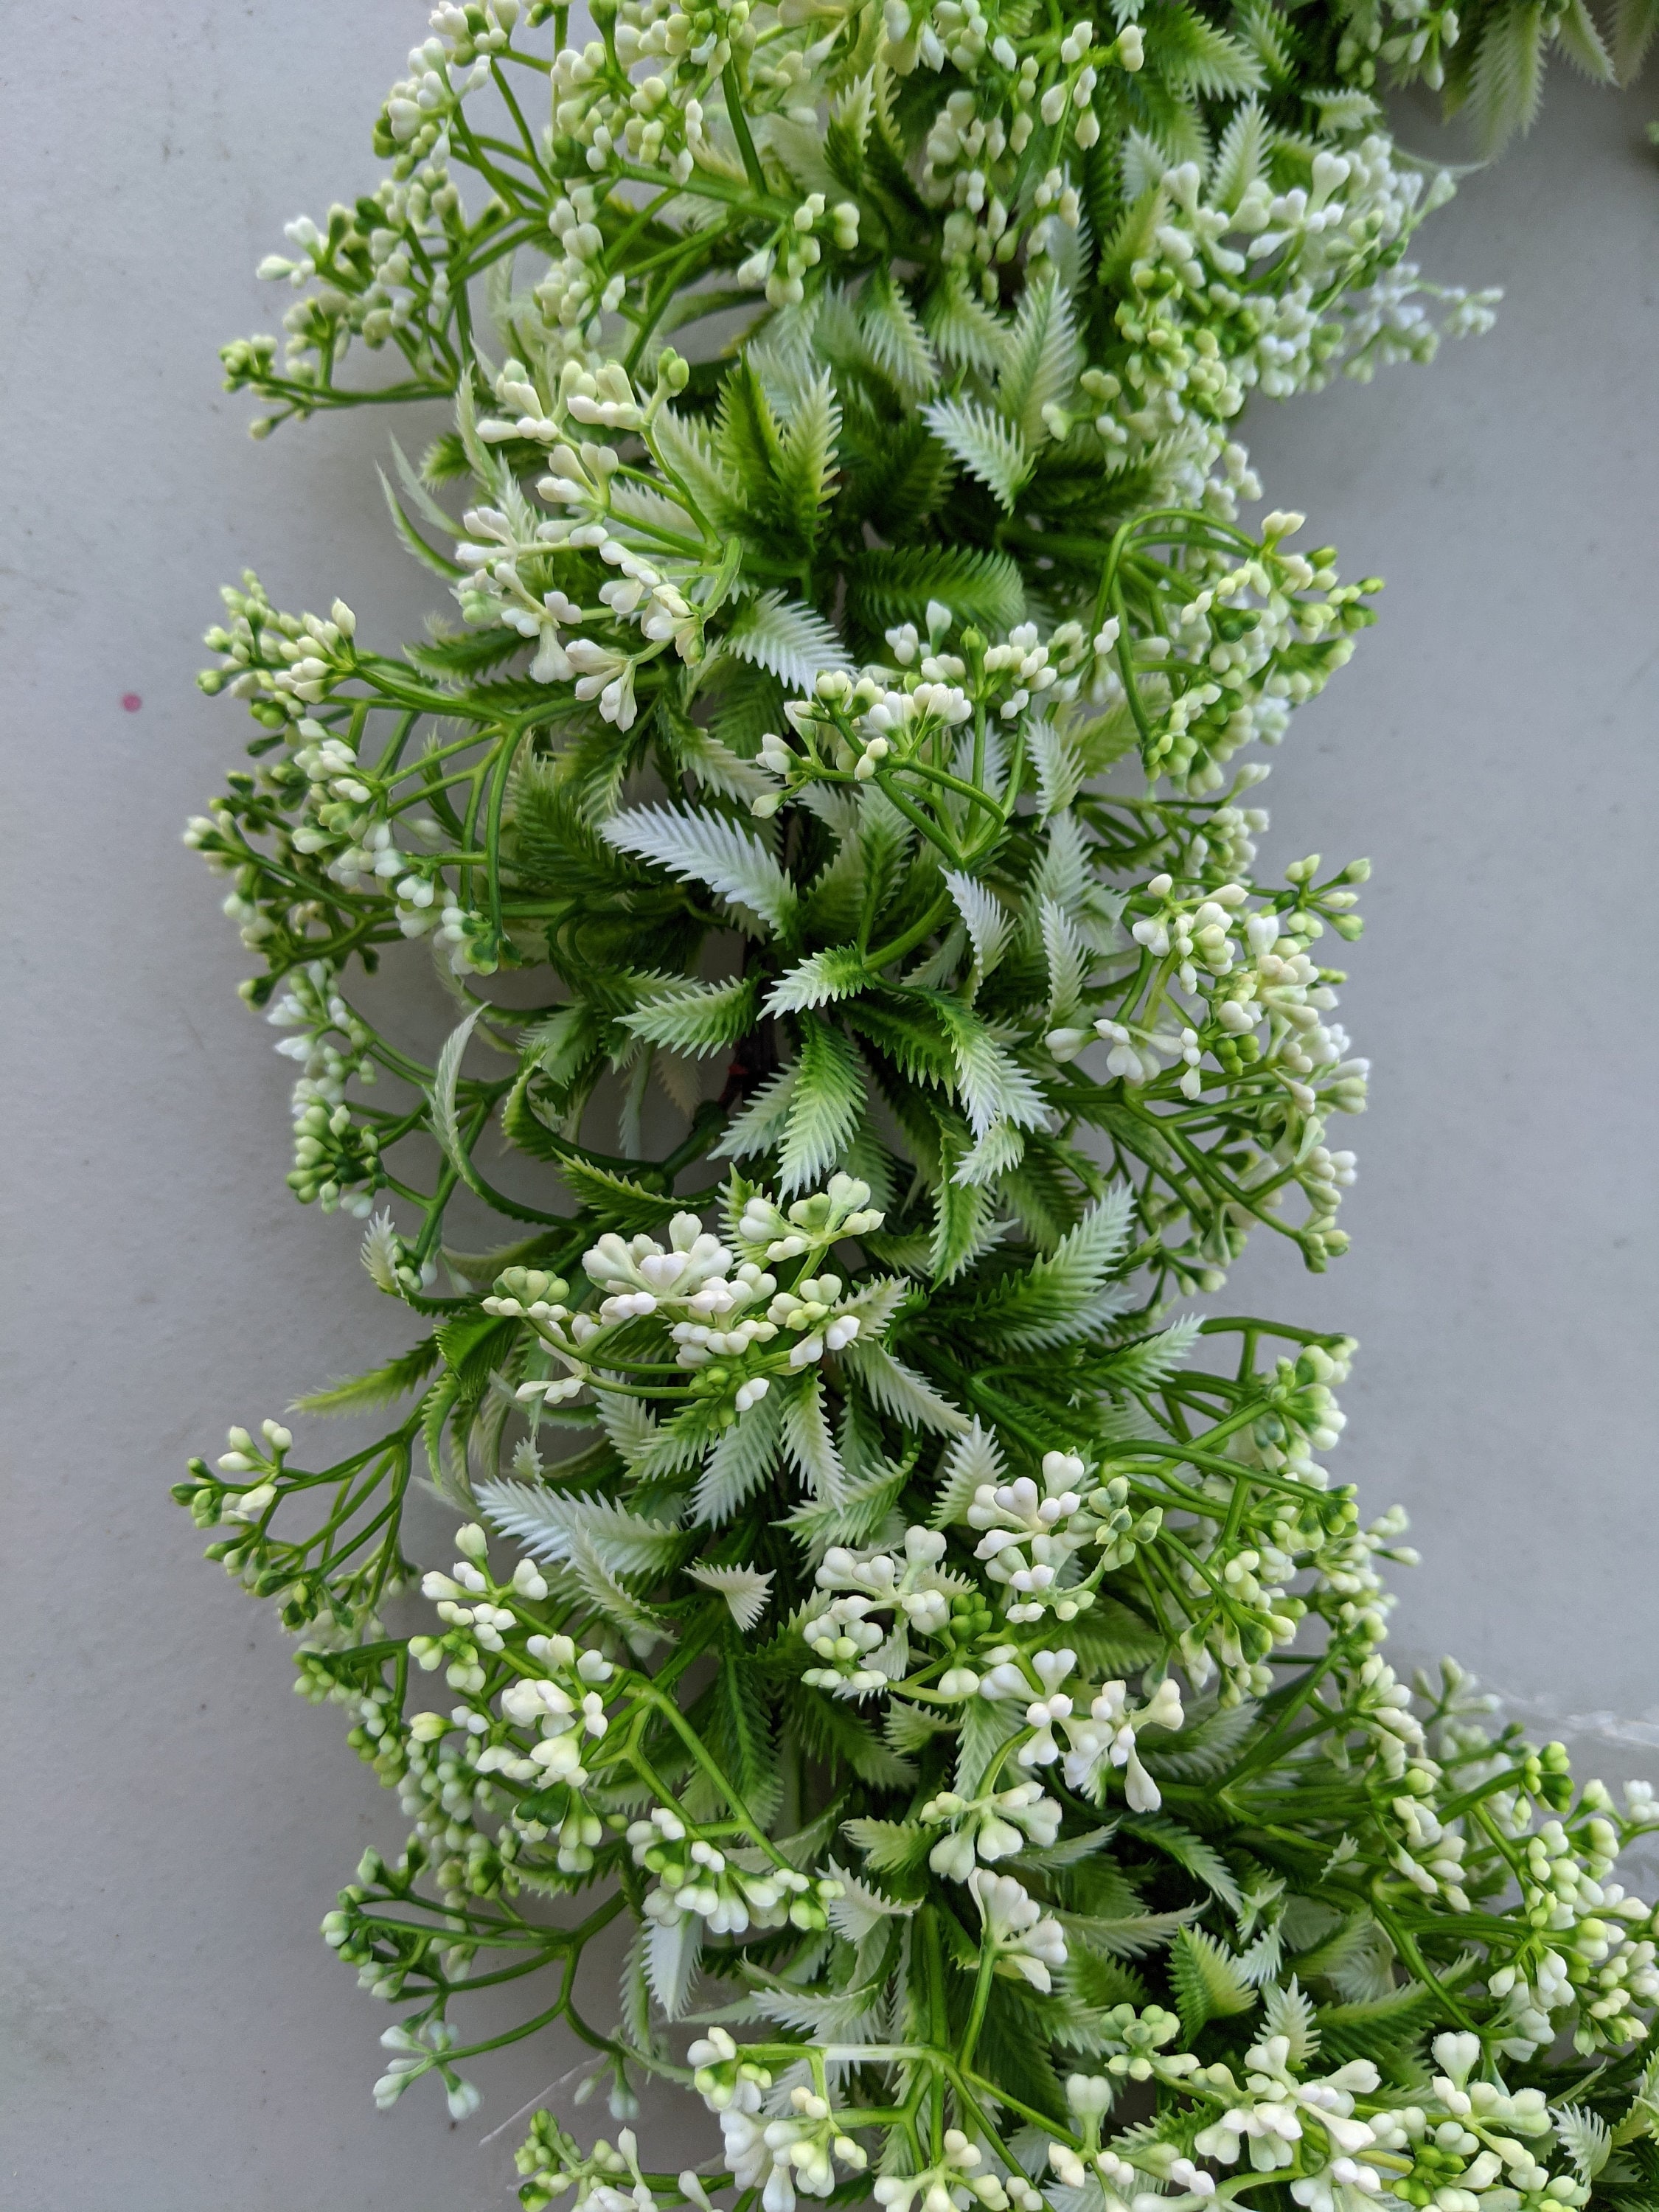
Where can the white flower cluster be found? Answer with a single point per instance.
(732, 1890)
(715, 1307)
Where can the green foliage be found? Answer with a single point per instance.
(843, 768)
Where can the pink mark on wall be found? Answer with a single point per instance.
(131, 702)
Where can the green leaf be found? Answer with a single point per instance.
(642, 1628)
(1130, 1935)
(446, 1080)
(1205, 1980)
(1097, 1983)
(1190, 1851)
(1507, 83)
(1379, 2028)
(701, 848)
(791, 639)
(1056, 1300)
(973, 1461)
(739, 1463)
(620, 1202)
(549, 1521)
(1185, 50)
(806, 1437)
(824, 1108)
(1290, 2012)
(1242, 157)
(835, 973)
(1634, 23)
(993, 1085)
(891, 1846)
(896, 339)
(963, 329)
(899, 1390)
(381, 1386)
(830, 1731)
(893, 585)
(807, 460)
(734, 1721)
(1041, 363)
(987, 447)
(699, 1018)
(1113, 1642)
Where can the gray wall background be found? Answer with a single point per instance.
(174, 2035)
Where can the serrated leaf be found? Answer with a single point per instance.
(835, 973)
(849, 2016)
(791, 639)
(672, 1950)
(446, 1080)
(891, 1846)
(379, 1387)
(687, 448)
(963, 329)
(762, 1123)
(1378, 2028)
(1507, 83)
(860, 1910)
(807, 1440)
(1065, 1296)
(746, 1590)
(739, 1462)
(807, 460)
(1129, 1934)
(899, 1390)
(1144, 1365)
(698, 1018)
(1289, 2012)
(1206, 1982)
(548, 1523)
(893, 585)
(642, 1628)
(985, 1726)
(1041, 361)
(986, 446)
(1190, 1851)
(701, 848)
(1187, 51)
(974, 1459)
(1067, 962)
(1585, 2137)
(896, 339)
(993, 1085)
(987, 921)
(1241, 158)
(1061, 768)
(825, 1106)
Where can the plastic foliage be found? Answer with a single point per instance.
(830, 804)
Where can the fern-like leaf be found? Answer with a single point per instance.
(701, 848)
(987, 447)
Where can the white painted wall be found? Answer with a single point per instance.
(175, 2038)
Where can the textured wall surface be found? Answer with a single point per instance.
(175, 2038)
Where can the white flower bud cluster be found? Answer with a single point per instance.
(954, 2183)
(731, 1890)
(796, 2152)
(285, 663)
(715, 1309)
(863, 1639)
(1029, 1945)
(1032, 1535)
(988, 1828)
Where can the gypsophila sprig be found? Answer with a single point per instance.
(947, 1648)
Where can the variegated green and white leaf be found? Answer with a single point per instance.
(987, 447)
(700, 848)
(793, 639)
